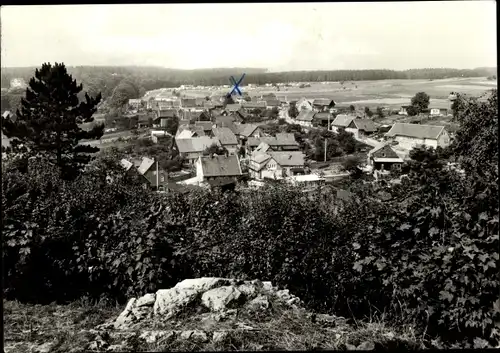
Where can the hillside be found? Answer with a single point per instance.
(202, 314)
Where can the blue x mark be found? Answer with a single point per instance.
(236, 84)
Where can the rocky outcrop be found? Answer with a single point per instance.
(216, 301)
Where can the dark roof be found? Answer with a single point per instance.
(188, 102)
(273, 103)
(205, 125)
(286, 159)
(325, 102)
(305, 115)
(166, 113)
(195, 144)
(247, 129)
(323, 116)
(280, 140)
(365, 125)
(225, 136)
(220, 166)
(415, 130)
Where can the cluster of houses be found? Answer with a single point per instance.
(205, 123)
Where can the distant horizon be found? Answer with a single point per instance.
(251, 68)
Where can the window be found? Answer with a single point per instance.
(383, 154)
(154, 172)
(162, 178)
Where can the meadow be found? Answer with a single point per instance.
(390, 93)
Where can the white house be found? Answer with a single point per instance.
(276, 165)
(342, 121)
(305, 118)
(218, 170)
(304, 104)
(412, 135)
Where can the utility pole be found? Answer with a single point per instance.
(157, 176)
(326, 143)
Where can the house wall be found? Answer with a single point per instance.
(304, 105)
(403, 111)
(410, 142)
(150, 175)
(199, 170)
(443, 139)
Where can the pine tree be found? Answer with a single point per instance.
(48, 121)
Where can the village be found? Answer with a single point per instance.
(223, 143)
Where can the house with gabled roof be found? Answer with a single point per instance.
(276, 165)
(154, 176)
(322, 119)
(192, 148)
(207, 126)
(305, 118)
(304, 104)
(384, 158)
(161, 117)
(218, 171)
(341, 121)
(362, 127)
(323, 104)
(412, 135)
(226, 139)
(250, 130)
(280, 142)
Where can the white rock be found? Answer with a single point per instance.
(259, 303)
(219, 336)
(202, 284)
(248, 290)
(126, 316)
(170, 302)
(43, 348)
(283, 294)
(219, 298)
(267, 286)
(146, 300)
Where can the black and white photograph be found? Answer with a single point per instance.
(250, 176)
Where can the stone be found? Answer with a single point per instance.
(170, 302)
(141, 312)
(267, 286)
(366, 346)
(283, 294)
(126, 317)
(259, 303)
(146, 300)
(219, 336)
(154, 336)
(194, 335)
(218, 299)
(225, 315)
(248, 290)
(43, 348)
(202, 284)
(256, 283)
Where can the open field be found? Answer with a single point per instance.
(369, 93)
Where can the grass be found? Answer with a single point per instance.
(68, 328)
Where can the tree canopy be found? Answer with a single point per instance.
(48, 121)
(420, 102)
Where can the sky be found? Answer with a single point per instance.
(279, 37)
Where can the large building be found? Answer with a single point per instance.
(412, 135)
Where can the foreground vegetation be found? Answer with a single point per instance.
(425, 257)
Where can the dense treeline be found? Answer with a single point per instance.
(104, 78)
